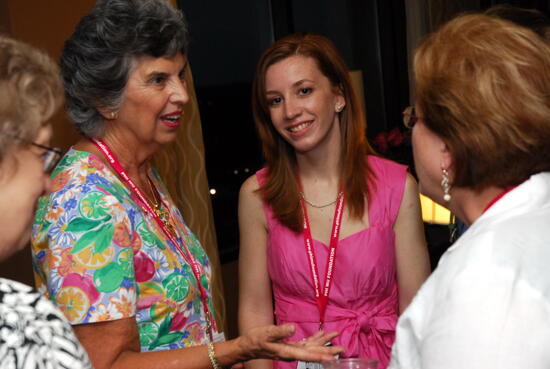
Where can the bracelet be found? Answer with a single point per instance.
(212, 356)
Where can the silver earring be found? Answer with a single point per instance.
(339, 108)
(445, 185)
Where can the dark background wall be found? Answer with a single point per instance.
(227, 39)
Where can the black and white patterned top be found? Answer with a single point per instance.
(34, 333)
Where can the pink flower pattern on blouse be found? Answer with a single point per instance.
(100, 258)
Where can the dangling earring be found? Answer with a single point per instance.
(339, 108)
(113, 115)
(445, 185)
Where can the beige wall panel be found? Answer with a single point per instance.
(45, 24)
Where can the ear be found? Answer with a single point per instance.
(108, 113)
(447, 161)
(339, 103)
(104, 112)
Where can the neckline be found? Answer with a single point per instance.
(498, 197)
(361, 231)
(352, 235)
(113, 175)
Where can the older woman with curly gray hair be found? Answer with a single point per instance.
(110, 247)
(33, 332)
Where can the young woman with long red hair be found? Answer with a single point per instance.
(329, 229)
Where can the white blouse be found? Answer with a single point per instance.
(487, 305)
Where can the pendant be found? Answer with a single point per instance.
(165, 218)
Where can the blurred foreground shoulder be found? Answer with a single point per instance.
(27, 320)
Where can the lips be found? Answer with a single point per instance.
(299, 128)
(172, 119)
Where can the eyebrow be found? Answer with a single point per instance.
(295, 84)
(155, 73)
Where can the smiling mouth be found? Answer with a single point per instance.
(300, 127)
(172, 119)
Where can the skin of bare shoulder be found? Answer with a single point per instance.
(413, 265)
(255, 295)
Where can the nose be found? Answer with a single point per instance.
(180, 94)
(292, 109)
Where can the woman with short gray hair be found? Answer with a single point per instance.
(110, 247)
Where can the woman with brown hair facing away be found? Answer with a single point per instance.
(331, 230)
(481, 145)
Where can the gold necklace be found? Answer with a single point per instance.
(162, 212)
(340, 194)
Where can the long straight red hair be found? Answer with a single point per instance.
(280, 189)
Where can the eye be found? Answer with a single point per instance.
(305, 91)
(181, 75)
(275, 101)
(47, 156)
(158, 79)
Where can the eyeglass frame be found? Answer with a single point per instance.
(409, 117)
(51, 157)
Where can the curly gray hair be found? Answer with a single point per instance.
(98, 58)
(30, 92)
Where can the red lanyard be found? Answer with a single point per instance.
(146, 208)
(498, 197)
(322, 296)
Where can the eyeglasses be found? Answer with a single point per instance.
(51, 156)
(409, 117)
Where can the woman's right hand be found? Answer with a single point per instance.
(267, 342)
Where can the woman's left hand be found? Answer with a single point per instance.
(318, 339)
(267, 342)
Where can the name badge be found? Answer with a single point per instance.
(309, 365)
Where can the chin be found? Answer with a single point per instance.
(24, 241)
(166, 140)
(10, 248)
(303, 147)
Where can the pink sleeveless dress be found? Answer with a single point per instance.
(363, 300)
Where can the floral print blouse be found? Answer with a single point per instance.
(100, 258)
